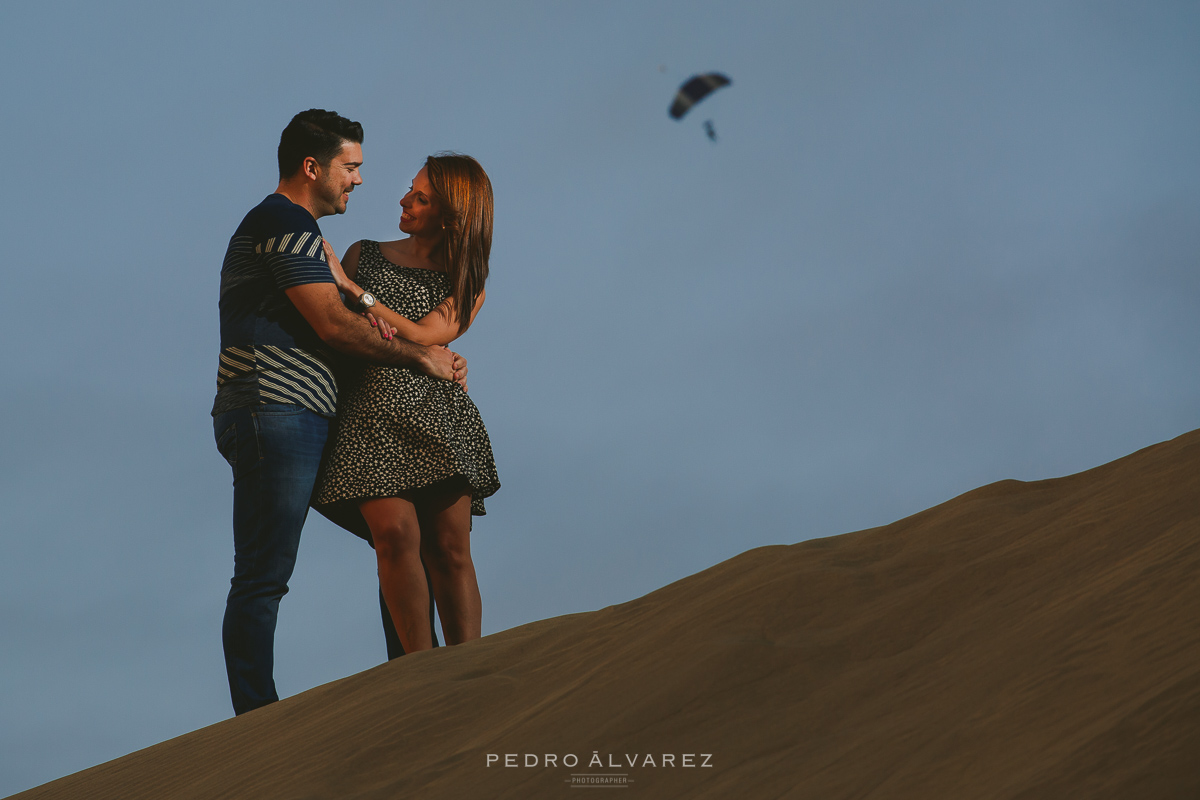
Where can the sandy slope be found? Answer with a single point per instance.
(1022, 640)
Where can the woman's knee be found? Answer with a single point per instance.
(397, 541)
(448, 553)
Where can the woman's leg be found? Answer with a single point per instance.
(446, 548)
(397, 535)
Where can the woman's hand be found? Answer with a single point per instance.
(343, 283)
(385, 331)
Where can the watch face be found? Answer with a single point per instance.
(367, 299)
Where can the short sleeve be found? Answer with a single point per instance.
(295, 259)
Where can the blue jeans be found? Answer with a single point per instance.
(275, 452)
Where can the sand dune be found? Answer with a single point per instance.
(1022, 640)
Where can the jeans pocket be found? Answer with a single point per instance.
(227, 446)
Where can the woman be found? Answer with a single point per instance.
(409, 451)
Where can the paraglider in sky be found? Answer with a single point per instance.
(709, 130)
(696, 89)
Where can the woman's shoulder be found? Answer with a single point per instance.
(367, 248)
(397, 247)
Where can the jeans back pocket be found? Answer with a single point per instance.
(227, 446)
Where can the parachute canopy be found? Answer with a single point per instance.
(696, 89)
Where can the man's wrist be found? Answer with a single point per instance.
(425, 358)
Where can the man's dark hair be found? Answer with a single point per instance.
(317, 133)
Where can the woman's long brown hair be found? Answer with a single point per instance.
(464, 193)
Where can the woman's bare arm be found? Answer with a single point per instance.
(344, 271)
(349, 261)
(439, 326)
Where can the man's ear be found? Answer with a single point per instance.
(311, 168)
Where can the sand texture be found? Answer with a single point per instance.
(1024, 640)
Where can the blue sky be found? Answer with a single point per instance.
(938, 244)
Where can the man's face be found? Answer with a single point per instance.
(337, 180)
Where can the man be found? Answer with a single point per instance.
(276, 394)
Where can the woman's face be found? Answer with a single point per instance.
(421, 215)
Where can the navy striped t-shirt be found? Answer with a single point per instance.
(269, 353)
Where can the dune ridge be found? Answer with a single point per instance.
(1023, 640)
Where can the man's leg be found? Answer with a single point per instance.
(275, 452)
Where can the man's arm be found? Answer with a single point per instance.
(349, 333)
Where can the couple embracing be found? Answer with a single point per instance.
(391, 448)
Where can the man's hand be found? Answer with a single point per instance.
(443, 363)
(460, 371)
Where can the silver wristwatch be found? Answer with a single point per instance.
(366, 301)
